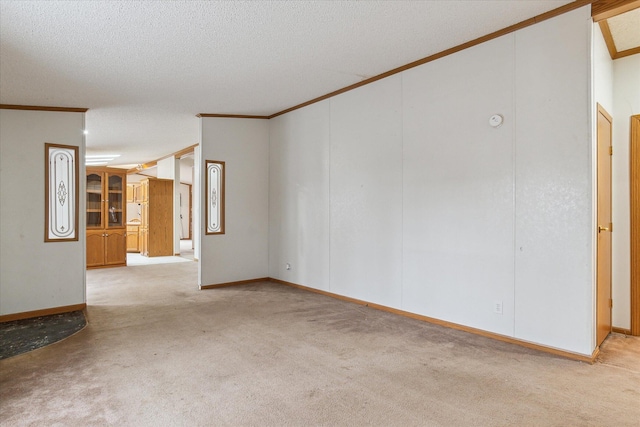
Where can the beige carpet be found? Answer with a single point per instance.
(158, 352)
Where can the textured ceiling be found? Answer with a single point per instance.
(625, 30)
(146, 68)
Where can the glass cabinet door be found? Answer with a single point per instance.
(115, 193)
(94, 200)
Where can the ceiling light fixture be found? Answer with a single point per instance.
(99, 159)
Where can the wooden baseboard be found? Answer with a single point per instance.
(43, 312)
(503, 338)
(621, 331)
(240, 282)
(492, 335)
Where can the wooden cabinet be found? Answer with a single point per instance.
(133, 193)
(133, 237)
(156, 227)
(130, 193)
(105, 212)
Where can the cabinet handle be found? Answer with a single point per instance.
(106, 235)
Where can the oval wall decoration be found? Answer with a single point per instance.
(214, 191)
(61, 187)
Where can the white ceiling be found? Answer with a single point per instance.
(625, 30)
(146, 68)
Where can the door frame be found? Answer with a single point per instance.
(634, 217)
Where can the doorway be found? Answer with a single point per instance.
(604, 302)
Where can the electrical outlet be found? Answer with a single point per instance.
(497, 307)
(287, 266)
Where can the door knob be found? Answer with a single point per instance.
(601, 229)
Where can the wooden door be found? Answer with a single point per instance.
(115, 247)
(95, 248)
(603, 284)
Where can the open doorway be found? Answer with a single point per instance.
(160, 210)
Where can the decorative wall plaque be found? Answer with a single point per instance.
(61, 193)
(214, 190)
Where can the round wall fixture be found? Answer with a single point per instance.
(496, 120)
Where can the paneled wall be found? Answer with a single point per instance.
(459, 187)
(402, 194)
(242, 252)
(299, 220)
(626, 103)
(35, 275)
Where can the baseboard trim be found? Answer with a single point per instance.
(44, 312)
(492, 335)
(621, 331)
(240, 282)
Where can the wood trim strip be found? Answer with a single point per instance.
(608, 39)
(39, 108)
(233, 116)
(182, 152)
(177, 155)
(486, 334)
(526, 23)
(603, 9)
(240, 282)
(634, 184)
(628, 52)
(621, 331)
(44, 312)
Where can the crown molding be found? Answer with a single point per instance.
(40, 108)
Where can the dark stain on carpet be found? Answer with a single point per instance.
(21, 336)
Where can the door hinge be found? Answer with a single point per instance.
(611, 150)
(610, 227)
(610, 303)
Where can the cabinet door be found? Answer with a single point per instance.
(95, 200)
(115, 193)
(115, 247)
(137, 194)
(95, 248)
(144, 241)
(132, 239)
(130, 193)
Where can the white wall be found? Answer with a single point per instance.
(242, 252)
(459, 187)
(602, 73)
(299, 196)
(197, 206)
(430, 210)
(183, 219)
(366, 192)
(35, 275)
(554, 282)
(186, 170)
(626, 102)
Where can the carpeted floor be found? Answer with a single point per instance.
(158, 352)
